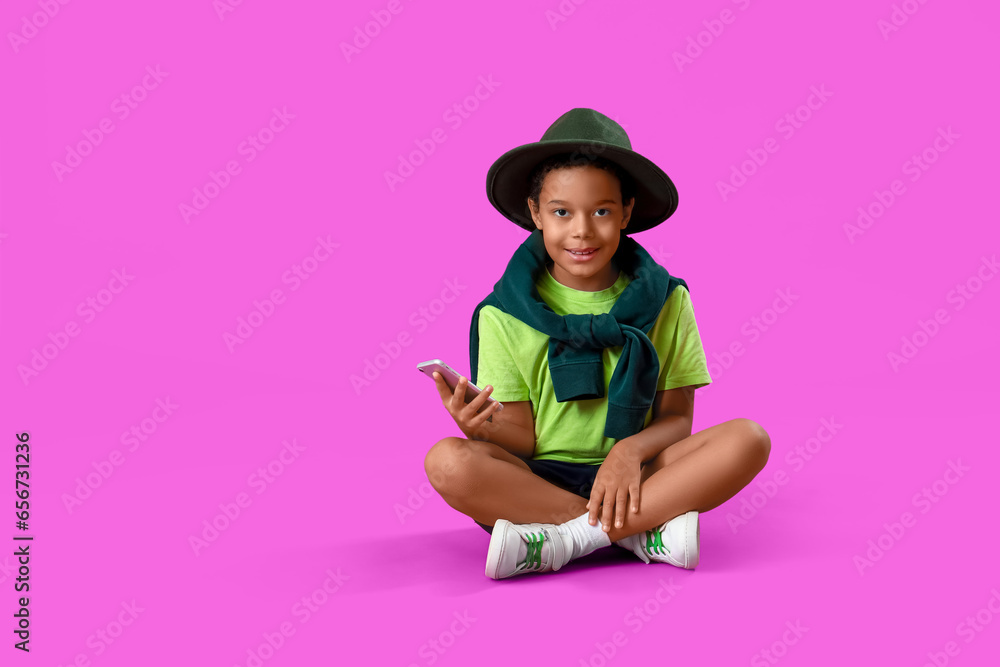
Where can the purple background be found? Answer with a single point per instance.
(353, 498)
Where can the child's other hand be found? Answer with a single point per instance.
(616, 486)
(466, 415)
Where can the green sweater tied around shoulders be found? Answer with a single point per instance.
(576, 342)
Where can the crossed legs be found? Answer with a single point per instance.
(484, 481)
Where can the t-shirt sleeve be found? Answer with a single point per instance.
(497, 363)
(677, 339)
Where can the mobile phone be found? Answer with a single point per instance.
(451, 376)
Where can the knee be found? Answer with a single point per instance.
(755, 439)
(447, 464)
(440, 458)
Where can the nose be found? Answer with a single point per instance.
(582, 226)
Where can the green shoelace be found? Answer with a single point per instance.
(654, 542)
(533, 558)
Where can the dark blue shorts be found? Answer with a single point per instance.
(576, 478)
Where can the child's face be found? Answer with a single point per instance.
(581, 208)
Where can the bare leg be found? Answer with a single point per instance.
(486, 482)
(699, 473)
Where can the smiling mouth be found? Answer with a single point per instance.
(583, 251)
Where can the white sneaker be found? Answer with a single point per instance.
(542, 549)
(675, 542)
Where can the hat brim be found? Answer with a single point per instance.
(507, 181)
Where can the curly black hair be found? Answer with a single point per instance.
(562, 160)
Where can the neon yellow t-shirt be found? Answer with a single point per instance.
(513, 357)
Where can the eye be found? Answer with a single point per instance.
(604, 209)
(556, 212)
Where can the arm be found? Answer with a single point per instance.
(618, 479)
(679, 345)
(500, 347)
(513, 428)
(673, 416)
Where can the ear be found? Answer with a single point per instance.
(535, 216)
(628, 212)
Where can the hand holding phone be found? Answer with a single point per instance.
(469, 406)
(451, 378)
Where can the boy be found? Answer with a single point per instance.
(593, 349)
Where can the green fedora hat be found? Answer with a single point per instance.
(585, 134)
